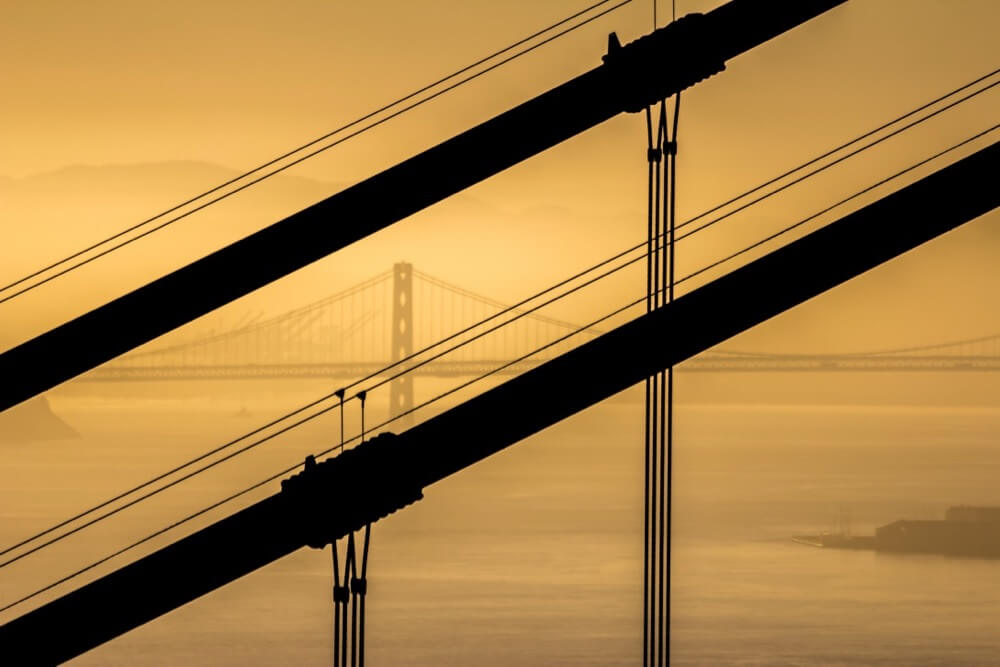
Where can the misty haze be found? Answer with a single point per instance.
(833, 494)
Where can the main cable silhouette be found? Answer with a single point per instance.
(498, 369)
(322, 149)
(538, 295)
(519, 314)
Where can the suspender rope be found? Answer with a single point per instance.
(341, 597)
(661, 184)
(354, 599)
(359, 586)
(655, 391)
(650, 158)
(340, 394)
(354, 588)
(658, 428)
(671, 167)
(362, 395)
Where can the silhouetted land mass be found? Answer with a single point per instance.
(33, 420)
(964, 531)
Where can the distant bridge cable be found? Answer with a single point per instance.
(886, 352)
(321, 149)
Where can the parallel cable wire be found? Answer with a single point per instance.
(885, 352)
(841, 202)
(660, 392)
(339, 393)
(647, 451)
(492, 372)
(298, 465)
(319, 150)
(841, 147)
(670, 217)
(519, 304)
(775, 179)
(818, 170)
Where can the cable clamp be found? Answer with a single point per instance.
(359, 585)
(653, 154)
(341, 594)
(670, 148)
(662, 63)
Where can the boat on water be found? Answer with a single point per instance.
(964, 531)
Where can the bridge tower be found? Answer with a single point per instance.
(401, 389)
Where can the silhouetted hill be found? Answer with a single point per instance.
(33, 420)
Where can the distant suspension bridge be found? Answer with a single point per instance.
(361, 330)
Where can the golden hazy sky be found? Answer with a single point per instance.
(234, 84)
(114, 109)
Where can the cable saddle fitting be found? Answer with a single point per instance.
(636, 71)
(332, 498)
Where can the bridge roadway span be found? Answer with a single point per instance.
(706, 363)
(387, 473)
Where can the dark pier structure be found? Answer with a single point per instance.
(964, 531)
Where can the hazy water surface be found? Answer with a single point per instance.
(534, 558)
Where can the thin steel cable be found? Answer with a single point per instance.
(483, 376)
(306, 145)
(670, 212)
(518, 315)
(857, 194)
(254, 444)
(647, 450)
(298, 465)
(371, 126)
(654, 415)
(364, 578)
(336, 605)
(354, 600)
(322, 149)
(841, 147)
(320, 400)
(812, 173)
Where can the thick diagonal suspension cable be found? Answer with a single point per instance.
(296, 466)
(313, 153)
(520, 304)
(481, 377)
(518, 315)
